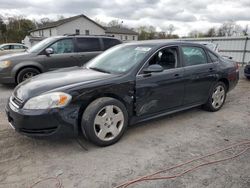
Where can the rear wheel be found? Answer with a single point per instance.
(104, 121)
(216, 98)
(26, 74)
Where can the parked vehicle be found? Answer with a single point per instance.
(12, 48)
(129, 83)
(247, 71)
(51, 54)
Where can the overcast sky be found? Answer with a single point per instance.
(185, 15)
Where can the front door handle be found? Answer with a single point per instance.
(211, 69)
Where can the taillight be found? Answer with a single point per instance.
(237, 66)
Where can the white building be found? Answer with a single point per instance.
(81, 25)
(123, 34)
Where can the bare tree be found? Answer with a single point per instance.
(115, 23)
(170, 29)
(245, 31)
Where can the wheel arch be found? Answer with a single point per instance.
(24, 67)
(111, 95)
(225, 81)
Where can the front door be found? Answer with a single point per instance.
(162, 91)
(64, 55)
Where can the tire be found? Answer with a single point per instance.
(26, 73)
(248, 77)
(104, 121)
(216, 101)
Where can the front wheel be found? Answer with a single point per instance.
(104, 121)
(26, 74)
(217, 97)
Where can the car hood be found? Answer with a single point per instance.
(13, 56)
(58, 79)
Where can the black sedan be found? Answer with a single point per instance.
(127, 84)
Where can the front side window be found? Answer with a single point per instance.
(41, 45)
(88, 44)
(119, 59)
(194, 56)
(167, 58)
(63, 46)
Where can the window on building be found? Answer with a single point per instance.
(77, 31)
(42, 33)
(63, 46)
(50, 32)
(88, 44)
(194, 55)
(133, 37)
(86, 32)
(108, 43)
(126, 37)
(121, 37)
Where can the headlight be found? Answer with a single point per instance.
(5, 64)
(47, 101)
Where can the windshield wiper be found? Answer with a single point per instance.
(98, 69)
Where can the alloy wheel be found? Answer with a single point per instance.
(218, 97)
(108, 123)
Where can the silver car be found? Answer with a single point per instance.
(12, 48)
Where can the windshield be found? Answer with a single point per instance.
(119, 59)
(40, 46)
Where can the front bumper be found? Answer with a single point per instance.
(43, 122)
(6, 79)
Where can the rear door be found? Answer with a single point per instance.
(200, 74)
(87, 49)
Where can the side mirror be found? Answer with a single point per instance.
(153, 68)
(49, 51)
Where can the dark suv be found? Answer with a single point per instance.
(52, 53)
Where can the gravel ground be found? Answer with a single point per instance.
(145, 148)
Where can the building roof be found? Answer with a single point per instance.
(63, 21)
(120, 30)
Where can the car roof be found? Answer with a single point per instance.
(162, 42)
(12, 44)
(86, 36)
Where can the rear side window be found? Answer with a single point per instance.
(88, 44)
(16, 47)
(194, 56)
(213, 57)
(108, 43)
